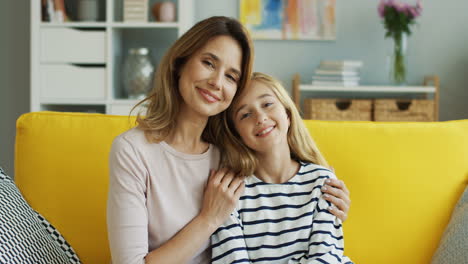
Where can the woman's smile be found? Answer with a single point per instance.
(208, 96)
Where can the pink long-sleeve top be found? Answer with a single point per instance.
(154, 191)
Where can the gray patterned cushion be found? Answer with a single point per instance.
(26, 236)
(453, 247)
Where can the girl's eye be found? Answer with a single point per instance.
(243, 116)
(267, 104)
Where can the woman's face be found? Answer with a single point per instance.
(260, 118)
(209, 79)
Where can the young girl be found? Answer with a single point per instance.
(282, 217)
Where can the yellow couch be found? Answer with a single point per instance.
(405, 179)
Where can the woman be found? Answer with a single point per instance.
(282, 216)
(165, 196)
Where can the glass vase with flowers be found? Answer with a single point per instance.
(397, 18)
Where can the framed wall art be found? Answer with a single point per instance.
(289, 19)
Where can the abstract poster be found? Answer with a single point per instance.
(289, 19)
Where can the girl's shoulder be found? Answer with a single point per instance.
(312, 170)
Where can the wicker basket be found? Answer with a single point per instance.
(338, 109)
(407, 110)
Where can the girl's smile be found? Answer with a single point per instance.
(265, 131)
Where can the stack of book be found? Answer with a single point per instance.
(337, 73)
(135, 11)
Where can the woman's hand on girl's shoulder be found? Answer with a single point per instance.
(222, 192)
(336, 192)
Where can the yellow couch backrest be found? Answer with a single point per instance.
(404, 179)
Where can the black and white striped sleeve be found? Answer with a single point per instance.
(326, 244)
(228, 244)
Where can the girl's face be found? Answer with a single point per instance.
(260, 118)
(209, 79)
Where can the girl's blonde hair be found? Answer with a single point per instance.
(241, 159)
(163, 102)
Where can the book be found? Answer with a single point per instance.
(135, 10)
(50, 10)
(338, 83)
(60, 13)
(338, 68)
(44, 13)
(335, 78)
(341, 64)
(71, 9)
(336, 72)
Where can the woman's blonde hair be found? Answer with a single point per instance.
(241, 159)
(163, 102)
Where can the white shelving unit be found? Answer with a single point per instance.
(430, 87)
(76, 66)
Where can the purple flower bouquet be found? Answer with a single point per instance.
(397, 18)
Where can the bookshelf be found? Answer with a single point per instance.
(76, 66)
(429, 88)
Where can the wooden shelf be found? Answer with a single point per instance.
(369, 89)
(430, 86)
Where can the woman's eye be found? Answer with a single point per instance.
(267, 104)
(230, 77)
(208, 63)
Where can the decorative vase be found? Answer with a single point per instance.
(137, 73)
(398, 59)
(164, 11)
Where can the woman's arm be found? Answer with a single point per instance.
(184, 245)
(339, 196)
(221, 195)
(127, 219)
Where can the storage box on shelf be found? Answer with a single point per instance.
(403, 110)
(338, 109)
(397, 106)
(77, 65)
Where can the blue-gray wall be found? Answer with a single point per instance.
(14, 74)
(438, 45)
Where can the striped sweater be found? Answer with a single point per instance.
(282, 223)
